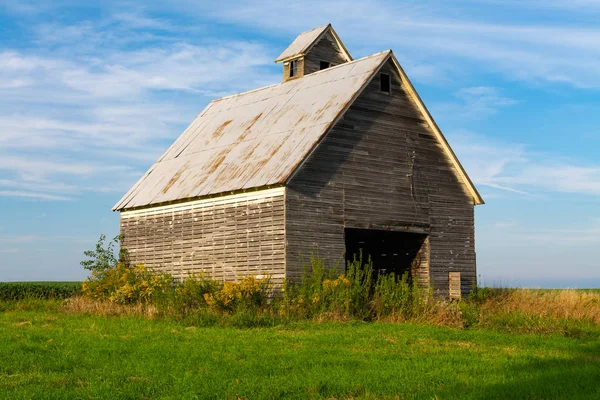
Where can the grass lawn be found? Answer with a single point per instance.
(45, 353)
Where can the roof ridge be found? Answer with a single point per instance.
(247, 91)
(303, 77)
(314, 29)
(303, 42)
(344, 64)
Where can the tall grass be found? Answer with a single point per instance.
(569, 312)
(326, 293)
(359, 293)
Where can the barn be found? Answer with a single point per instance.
(341, 156)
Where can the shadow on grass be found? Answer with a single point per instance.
(574, 375)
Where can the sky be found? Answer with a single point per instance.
(92, 94)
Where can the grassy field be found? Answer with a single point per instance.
(47, 353)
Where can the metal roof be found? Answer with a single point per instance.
(252, 139)
(304, 42)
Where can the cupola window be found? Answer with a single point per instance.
(293, 68)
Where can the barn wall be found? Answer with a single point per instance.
(381, 167)
(225, 236)
(325, 49)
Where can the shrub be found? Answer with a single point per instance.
(353, 295)
(125, 285)
(318, 291)
(113, 278)
(190, 294)
(249, 293)
(103, 258)
(322, 293)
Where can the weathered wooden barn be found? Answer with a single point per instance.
(342, 155)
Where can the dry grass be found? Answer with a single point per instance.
(568, 304)
(432, 312)
(85, 305)
(565, 312)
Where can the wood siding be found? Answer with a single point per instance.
(225, 236)
(381, 167)
(326, 49)
(454, 285)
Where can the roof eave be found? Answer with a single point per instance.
(290, 58)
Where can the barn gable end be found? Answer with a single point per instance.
(382, 168)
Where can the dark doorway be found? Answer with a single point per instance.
(390, 251)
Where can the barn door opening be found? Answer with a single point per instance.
(390, 251)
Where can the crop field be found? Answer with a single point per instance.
(40, 290)
(47, 352)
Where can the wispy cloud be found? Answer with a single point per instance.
(473, 103)
(505, 224)
(86, 106)
(482, 101)
(10, 250)
(17, 238)
(585, 234)
(576, 6)
(515, 168)
(421, 33)
(33, 195)
(118, 106)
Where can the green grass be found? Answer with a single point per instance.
(13, 291)
(45, 353)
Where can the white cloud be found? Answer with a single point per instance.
(18, 239)
(423, 33)
(515, 168)
(33, 195)
(95, 112)
(474, 103)
(558, 177)
(116, 91)
(482, 101)
(586, 234)
(427, 36)
(10, 250)
(577, 6)
(505, 224)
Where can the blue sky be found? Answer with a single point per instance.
(90, 96)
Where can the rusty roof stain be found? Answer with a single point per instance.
(252, 139)
(175, 178)
(219, 130)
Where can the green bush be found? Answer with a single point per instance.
(104, 258)
(359, 293)
(396, 297)
(113, 278)
(14, 291)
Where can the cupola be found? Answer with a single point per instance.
(312, 51)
